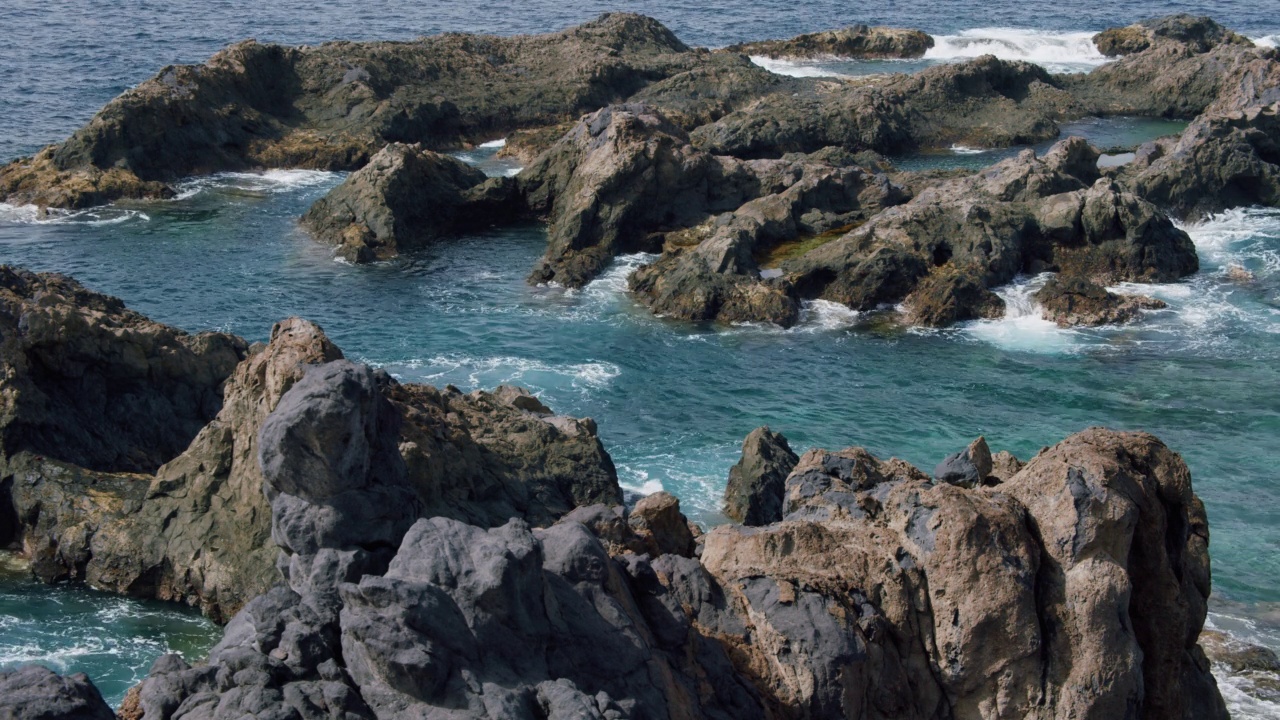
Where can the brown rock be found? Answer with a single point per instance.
(658, 521)
(855, 41)
(1074, 301)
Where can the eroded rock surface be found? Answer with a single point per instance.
(756, 483)
(37, 693)
(1072, 302)
(855, 41)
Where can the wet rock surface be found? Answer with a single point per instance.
(1072, 302)
(36, 693)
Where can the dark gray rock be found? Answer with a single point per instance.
(757, 482)
(968, 468)
(1073, 301)
(37, 693)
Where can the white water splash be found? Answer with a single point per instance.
(825, 316)
(267, 182)
(797, 68)
(1023, 327)
(507, 370)
(103, 215)
(966, 150)
(1272, 41)
(499, 143)
(1055, 51)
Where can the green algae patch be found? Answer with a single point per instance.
(774, 256)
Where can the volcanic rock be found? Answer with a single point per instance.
(758, 480)
(37, 693)
(855, 41)
(1073, 301)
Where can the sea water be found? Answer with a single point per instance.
(673, 400)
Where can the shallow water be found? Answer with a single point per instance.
(673, 400)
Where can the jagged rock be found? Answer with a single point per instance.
(725, 82)
(403, 199)
(968, 468)
(1257, 664)
(855, 41)
(984, 102)
(943, 250)
(36, 693)
(1073, 301)
(97, 385)
(1219, 162)
(659, 523)
(1178, 66)
(332, 106)
(758, 481)
(1004, 465)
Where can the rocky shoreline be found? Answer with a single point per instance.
(390, 550)
(378, 549)
(716, 163)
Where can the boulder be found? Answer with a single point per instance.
(1004, 465)
(1221, 161)
(855, 41)
(1198, 34)
(33, 692)
(758, 480)
(1073, 301)
(660, 524)
(968, 468)
(405, 198)
(333, 106)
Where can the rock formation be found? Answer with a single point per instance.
(403, 199)
(756, 483)
(333, 106)
(36, 693)
(197, 529)
(855, 41)
(1073, 301)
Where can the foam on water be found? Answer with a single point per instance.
(824, 315)
(1055, 51)
(472, 372)
(799, 68)
(33, 215)
(263, 183)
(1267, 41)
(1022, 327)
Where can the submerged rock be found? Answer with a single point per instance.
(1073, 301)
(855, 41)
(36, 693)
(403, 199)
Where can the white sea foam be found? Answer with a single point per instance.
(795, 68)
(1056, 51)
(1023, 327)
(966, 150)
(267, 182)
(824, 315)
(1267, 41)
(493, 371)
(499, 143)
(104, 215)
(638, 481)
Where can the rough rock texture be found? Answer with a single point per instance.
(968, 468)
(92, 383)
(1220, 162)
(984, 102)
(403, 199)
(657, 520)
(941, 251)
(332, 106)
(198, 530)
(1073, 301)
(1258, 665)
(36, 693)
(757, 482)
(855, 41)
(1178, 66)
(1076, 588)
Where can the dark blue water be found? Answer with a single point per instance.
(673, 400)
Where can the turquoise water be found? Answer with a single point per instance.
(673, 400)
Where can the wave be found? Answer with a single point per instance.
(499, 143)
(797, 68)
(1056, 51)
(104, 215)
(1023, 327)
(1267, 41)
(506, 370)
(266, 182)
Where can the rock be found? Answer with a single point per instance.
(36, 693)
(1178, 66)
(97, 385)
(943, 251)
(658, 521)
(1073, 301)
(984, 102)
(1004, 465)
(1220, 162)
(969, 468)
(757, 482)
(332, 106)
(726, 81)
(403, 199)
(1258, 665)
(855, 41)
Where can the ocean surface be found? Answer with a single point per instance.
(673, 400)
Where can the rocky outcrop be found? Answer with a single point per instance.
(942, 251)
(199, 530)
(36, 693)
(1219, 162)
(855, 41)
(756, 483)
(968, 468)
(1178, 66)
(983, 103)
(1073, 301)
(97, 385)
(403, 199)
(333, 106)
